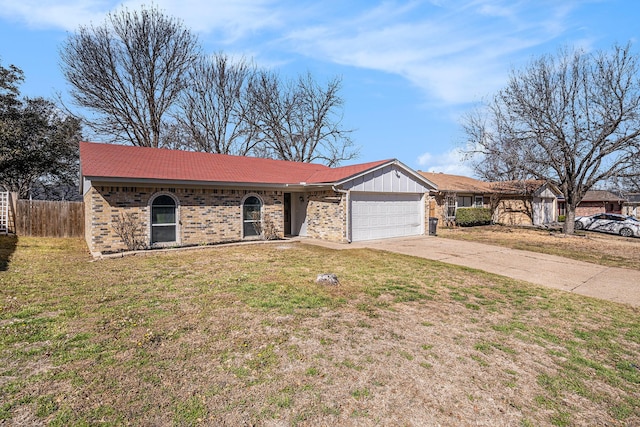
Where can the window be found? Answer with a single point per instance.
(465, 201)
(163, 219)
(479, 202)
(251, 216)
(451, 206)
(561, 208)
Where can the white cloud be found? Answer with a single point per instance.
(456, 53)
(451, 162)
(230, 19)
(67, 14)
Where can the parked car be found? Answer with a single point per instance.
(626, 226)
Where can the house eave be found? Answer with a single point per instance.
(93, 180)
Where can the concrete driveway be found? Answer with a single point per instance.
(610, 283)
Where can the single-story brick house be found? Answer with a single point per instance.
(595, 202)
(455, 192)
(183, 198)
(528, 202)
(525, 202)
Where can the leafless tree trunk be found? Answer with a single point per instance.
(212, 108)
(572, 119)
(130, 71)
(298, 120)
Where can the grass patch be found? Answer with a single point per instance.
(190, 412)
(243, 335)
(361, 393)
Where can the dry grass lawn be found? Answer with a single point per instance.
(586, 246)
(243, 336)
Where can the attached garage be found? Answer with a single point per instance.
(387, 201)
(385, 215)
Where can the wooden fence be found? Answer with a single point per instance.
(44, 218)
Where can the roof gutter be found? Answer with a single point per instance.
(201, 184)
(347, 209)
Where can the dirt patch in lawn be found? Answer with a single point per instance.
(244, 336)
(614, 251)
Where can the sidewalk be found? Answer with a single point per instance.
(610, 283)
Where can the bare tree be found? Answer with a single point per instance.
(572, 119)
(298, 120)
(631, 182)
(130, 71)
(212, 109)
(498, 163)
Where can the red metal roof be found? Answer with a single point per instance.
(120, 161)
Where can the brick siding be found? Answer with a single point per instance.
(204, 216)
(593, 208)
(326, 217)
(514, 211)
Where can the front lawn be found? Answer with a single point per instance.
(243, 335)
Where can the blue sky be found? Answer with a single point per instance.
(410, 69)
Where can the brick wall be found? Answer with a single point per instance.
(514, 211)
(326, 217)
(593, 208)
(589, 208)
(439, 209)
(204, 216)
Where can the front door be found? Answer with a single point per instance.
(287, 214)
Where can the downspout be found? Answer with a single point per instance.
(347, 209)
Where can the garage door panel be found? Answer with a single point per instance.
(385, 215)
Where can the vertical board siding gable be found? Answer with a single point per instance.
(385, 180)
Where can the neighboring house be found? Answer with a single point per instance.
(595, 202)
(182, 198)
(454, 192)
(526, 202)
(631, 206)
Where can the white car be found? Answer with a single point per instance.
(626, 226)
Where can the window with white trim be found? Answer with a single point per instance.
(451, 207)
(479, 202)
(251, 216)
(163, 219)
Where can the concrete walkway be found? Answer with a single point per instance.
(615, 284)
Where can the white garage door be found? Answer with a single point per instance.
(384, 215)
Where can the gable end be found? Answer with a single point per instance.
(389, 178)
